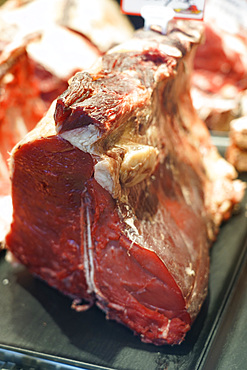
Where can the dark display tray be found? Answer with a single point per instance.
(39, 330)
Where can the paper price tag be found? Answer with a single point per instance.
(189, 9)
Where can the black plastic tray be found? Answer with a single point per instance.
(39, 330)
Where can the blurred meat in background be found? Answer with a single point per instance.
(219, 83)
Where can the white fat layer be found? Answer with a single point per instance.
(186, 195)
(131, 224)
(103, 177)
(83, 138)
(132, 232)
(189, 270)
(217, 167)
(139, 44)
(164, 330)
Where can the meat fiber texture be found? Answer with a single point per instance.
(118, 192)
(41, 47)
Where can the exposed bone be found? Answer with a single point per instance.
(106, 173)
(138, 164)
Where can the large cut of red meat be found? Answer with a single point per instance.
(119, 192)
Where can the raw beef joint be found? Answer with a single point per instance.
(119, 192)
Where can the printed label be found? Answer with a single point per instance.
(190, 9)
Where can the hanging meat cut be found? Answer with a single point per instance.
(118, 192)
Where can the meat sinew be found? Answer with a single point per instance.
(119, 192)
